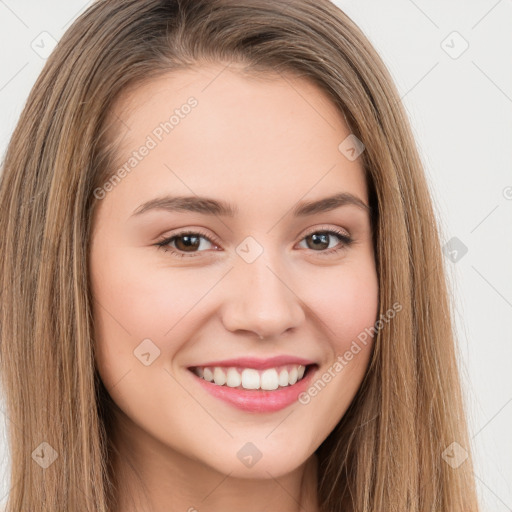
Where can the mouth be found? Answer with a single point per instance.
(237, 377)
(256, 390)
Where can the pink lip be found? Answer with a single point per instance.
(258, 364)
(256, 400)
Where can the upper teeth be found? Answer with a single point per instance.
(249, 378)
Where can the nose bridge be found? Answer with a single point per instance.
(261, 298)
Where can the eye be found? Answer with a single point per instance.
(319, 239)
(189, 243)
(184, 244)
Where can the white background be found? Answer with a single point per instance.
(461, 112)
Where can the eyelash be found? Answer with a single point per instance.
(346, 241)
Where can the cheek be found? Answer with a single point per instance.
(346, 304)
(135, 301)
(146, 302)
(347, 318)
(133, 310)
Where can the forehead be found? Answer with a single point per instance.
(269, 134)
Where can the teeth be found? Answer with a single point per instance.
(283, 378)
(219, 377)
(233, 379)
(292, 375)
(249, 378)
(269, 379)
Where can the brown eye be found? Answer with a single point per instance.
(186, 243)
(319, 240)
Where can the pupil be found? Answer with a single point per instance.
(323, 239)
(187, 241)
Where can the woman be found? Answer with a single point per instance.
(222, 280)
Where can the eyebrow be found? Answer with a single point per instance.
(210, 206)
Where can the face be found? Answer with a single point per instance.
(251, 286)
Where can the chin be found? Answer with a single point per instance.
(259, 459)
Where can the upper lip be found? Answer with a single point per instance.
(257, 363)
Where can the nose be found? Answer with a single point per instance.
(261, 300)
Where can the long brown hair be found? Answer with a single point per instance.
(386, 454)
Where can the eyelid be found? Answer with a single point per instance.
(192, 231)
(324, 227)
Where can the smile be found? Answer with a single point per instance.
(251, 378)
(266, 389)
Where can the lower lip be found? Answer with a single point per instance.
(257, 400)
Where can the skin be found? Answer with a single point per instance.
(263, 144)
